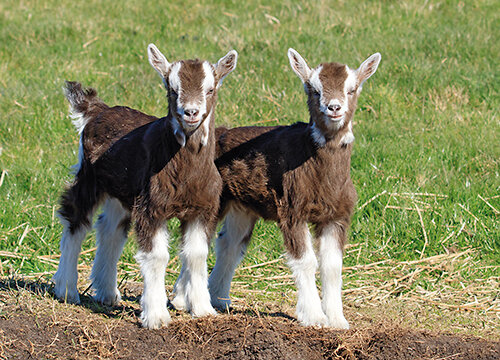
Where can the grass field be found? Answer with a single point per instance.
(426, 158)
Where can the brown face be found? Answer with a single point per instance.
(333, 88)
(191, 90)
(192, 87)
(332, 91)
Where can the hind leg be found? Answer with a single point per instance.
(179, 301)
(66, 277)
(230, 247)
(303, 263)
(76, 224)
(111, 233)
(331, 239)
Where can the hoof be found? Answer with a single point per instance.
(109, 299)
(178, 303)
(66, 295)
(155, 320)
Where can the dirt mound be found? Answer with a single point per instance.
(33, 325)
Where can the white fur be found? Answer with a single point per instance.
(66, 277)
(317, 135)
(351, 82)
(110, 242)
(174, 80)
(315, 81)
(209, 80)
(343, 103)
(299, 65)
(154, 298)
(178, 132)
(230, 248)
(309, 310)
(223, 59)
(348, 136)
(158, 60)
(179, 300)
(206, 128)
(331, 277)
(199, 104)
(78, 120)
(194, 278)
(368, 68)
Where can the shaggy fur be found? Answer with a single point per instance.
(295, 175)
(152, 171)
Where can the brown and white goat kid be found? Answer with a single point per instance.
(160, 170)
(295, 175)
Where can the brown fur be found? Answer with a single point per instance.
(135, 158)
(281, 175)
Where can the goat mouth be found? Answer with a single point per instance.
(335, 117)
(191, 122)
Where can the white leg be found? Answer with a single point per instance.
(179, 301)
(331, 276)
(309, 310)
(111, 233)
(194, 258)
(230, 248)
(66, 277)
(154, 298)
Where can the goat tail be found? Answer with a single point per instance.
(82, 101)
(80, 199)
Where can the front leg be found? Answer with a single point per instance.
(331, 239)
(153, 259)
(193, 281)
(302, 261)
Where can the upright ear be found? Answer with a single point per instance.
(158, 60)
(299, 65)
(368, 68)
(225, 65)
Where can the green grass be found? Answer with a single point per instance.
(427, 121)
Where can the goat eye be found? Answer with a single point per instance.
(351, 92)
(210, 92)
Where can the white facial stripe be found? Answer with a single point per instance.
(330, 109)
(209, 80)
(207, 84)
(351, 81)
(174, 79)
(315, 81)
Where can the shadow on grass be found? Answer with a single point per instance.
(43, 288)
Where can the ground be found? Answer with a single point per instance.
(34, 325)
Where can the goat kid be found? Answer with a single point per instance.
(150, 172)
(295, 175)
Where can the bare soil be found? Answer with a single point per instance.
(34, 325)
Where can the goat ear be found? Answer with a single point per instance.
(225, 65)
(368, 68)
(158, 60)
(299, 65)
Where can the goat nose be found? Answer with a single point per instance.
(191, 112)
(335, 107)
